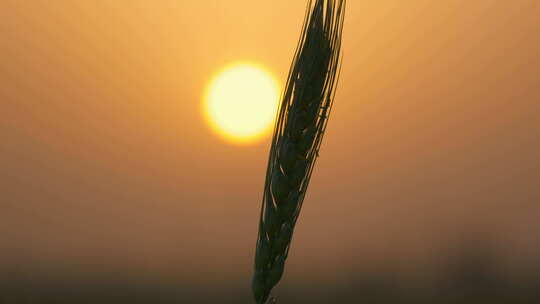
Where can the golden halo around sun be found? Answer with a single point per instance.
(241, 102)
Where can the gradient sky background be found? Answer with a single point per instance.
(108, 169)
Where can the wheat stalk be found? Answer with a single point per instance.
(300, 125)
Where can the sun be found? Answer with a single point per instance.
(241, 101)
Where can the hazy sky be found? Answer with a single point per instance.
(106, 163)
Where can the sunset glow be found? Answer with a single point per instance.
(241, 102)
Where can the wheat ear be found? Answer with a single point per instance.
(300, 125)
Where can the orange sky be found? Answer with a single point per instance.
(106, 161)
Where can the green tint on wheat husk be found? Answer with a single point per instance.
(301, 121)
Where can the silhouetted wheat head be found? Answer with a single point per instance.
(300, 125)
